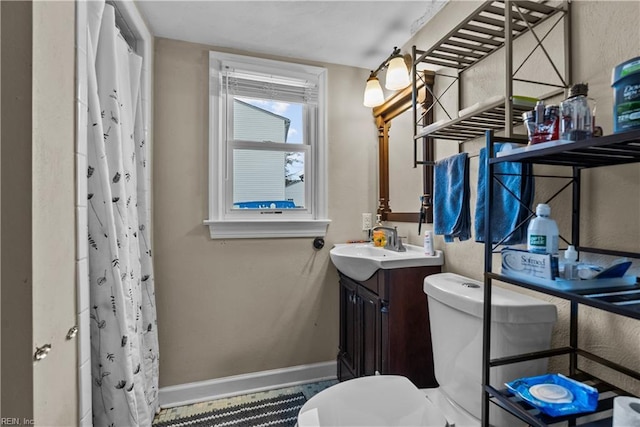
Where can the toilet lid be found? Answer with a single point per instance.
(382, 400)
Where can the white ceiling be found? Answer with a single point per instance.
(356, 33)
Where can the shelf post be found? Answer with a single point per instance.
(573, 338)
(414, 103)
(508, 54)
(575, 212)
(568, 56)
(488, 261)
(575, 240)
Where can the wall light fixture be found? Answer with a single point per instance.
(397, 78)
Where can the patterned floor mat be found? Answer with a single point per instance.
(277, 407)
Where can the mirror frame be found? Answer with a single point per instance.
(395, 105)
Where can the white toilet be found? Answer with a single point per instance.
(520, 324)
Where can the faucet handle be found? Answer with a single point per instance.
(399, 245)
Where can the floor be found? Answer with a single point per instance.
(308, 390)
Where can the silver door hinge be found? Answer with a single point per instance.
(41, 352)
(72, 332)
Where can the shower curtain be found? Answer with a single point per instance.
(124, 342)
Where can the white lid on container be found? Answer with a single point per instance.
(570, 254)
(543, 210)
(507, 306)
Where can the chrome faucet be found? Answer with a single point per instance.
(394, 242)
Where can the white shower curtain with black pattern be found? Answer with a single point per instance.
(124, 342)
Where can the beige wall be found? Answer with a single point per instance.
(16, 210)
(605, 33)
(239, 306)
(228, 307)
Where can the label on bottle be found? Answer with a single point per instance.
(538, 242)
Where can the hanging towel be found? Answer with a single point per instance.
(451, 212)
(506, 211)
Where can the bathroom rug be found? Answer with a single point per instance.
(279, 411)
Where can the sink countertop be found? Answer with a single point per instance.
(360, 261)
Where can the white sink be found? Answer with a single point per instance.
(360, 260)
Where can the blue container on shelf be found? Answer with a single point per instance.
(555, 394)
(626, 96)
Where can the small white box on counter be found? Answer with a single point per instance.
(518, 262)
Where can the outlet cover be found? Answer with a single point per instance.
(366, 221)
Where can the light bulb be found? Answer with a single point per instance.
(397, 74)
(373, 95)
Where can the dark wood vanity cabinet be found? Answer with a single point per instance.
(384, 326)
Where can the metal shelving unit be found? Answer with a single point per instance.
(473, 124)
(492, 26)
(622, 148)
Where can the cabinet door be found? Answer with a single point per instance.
(407, 326)
(370, 346)
(349, 323)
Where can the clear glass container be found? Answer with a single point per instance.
(577, 121)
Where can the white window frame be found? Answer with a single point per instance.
(227, 223)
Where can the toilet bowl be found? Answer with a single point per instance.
(520, 324)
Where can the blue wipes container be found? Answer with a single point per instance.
(626, 96)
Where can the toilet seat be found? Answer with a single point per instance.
(455, 415)
(382, 400)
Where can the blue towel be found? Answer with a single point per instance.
(506, 211)
(451, 212)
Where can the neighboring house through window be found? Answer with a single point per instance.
(267, 148)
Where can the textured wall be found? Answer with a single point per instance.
(605, 33)
(228, 307)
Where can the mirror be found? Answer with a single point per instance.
(393, 108)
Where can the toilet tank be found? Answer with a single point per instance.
(519, 324)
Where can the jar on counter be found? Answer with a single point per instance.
(577, 121)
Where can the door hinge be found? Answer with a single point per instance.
(41, 352)
(72, 332)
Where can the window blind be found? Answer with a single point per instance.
(261, 85)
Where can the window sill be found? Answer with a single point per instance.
(267, 229)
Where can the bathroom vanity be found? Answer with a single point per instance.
(384, 326)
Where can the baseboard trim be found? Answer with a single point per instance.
(202, 391)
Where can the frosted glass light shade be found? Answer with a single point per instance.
(397, 74)
(373, 95)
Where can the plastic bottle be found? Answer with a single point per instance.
(570, 263)
(542, 234)
(428, 243)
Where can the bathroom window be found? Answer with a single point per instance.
(267, 148)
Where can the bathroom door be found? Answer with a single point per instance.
(38, 214)
(55, 381)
